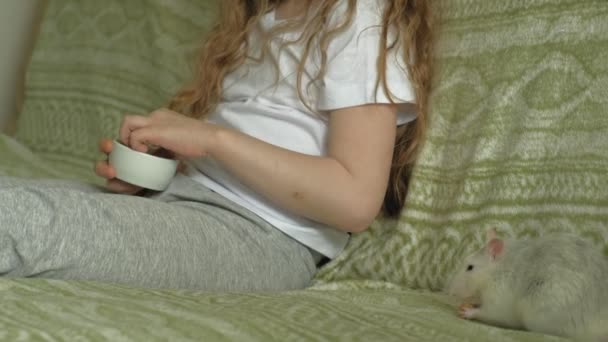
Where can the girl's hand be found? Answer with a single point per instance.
(105, 170)
(183, 136)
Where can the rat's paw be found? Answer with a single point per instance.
(467, 310)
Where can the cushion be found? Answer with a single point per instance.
(96, 61)
(517, 140)
(18, 21)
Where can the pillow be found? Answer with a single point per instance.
(97, 60)
(517, 140)
(18, 22)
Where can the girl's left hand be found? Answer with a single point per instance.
(184, 136)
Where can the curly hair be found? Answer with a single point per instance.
(227, 44)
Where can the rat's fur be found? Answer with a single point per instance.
(556, 285)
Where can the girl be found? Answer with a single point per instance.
(299, 127)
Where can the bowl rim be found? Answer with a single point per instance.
(126, 148)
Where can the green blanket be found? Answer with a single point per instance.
(39, 310)
(517, 140)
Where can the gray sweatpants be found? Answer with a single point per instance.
(184, 237)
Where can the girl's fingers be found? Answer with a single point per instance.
(121, 187)
(142, 138)
(105, 145)
(105, 170)
(129, 124)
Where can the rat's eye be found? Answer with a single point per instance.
(470, 267)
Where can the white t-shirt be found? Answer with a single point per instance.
(255, 104)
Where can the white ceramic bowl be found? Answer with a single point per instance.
(142, 169)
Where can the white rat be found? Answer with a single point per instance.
(554, 285)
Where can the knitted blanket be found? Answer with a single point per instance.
(518, 140)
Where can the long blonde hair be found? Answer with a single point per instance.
(227, 46)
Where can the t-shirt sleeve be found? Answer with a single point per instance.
(351, 75)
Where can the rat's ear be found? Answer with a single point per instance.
(495, 248)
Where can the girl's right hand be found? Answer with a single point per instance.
(105, 170)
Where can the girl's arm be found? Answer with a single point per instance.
(344, 189)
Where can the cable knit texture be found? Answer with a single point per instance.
(518, 140)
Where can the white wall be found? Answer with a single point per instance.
(18, 24)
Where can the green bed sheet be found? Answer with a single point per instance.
(54, 310)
